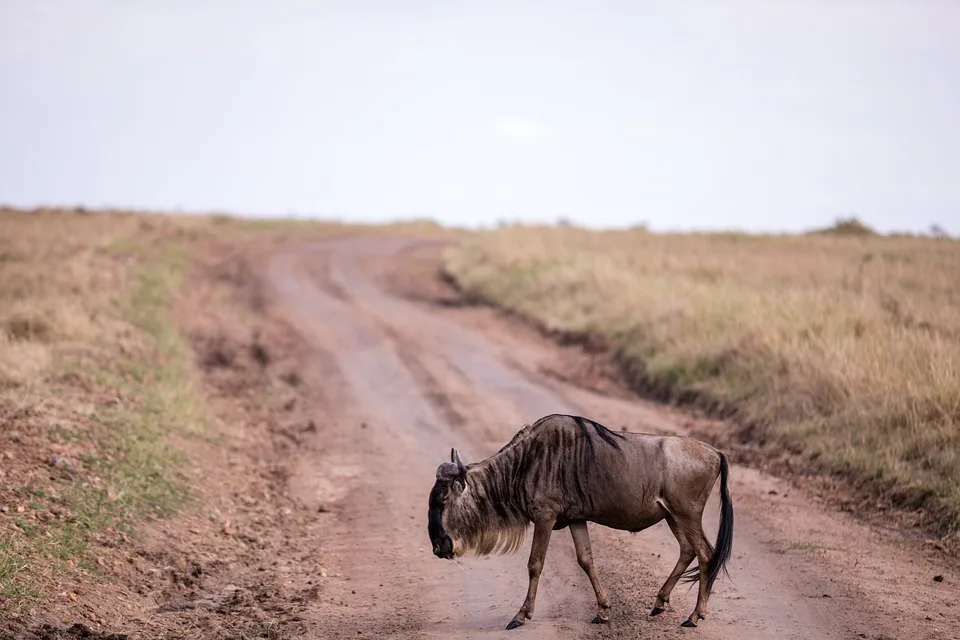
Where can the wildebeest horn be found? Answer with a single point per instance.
(455, 457)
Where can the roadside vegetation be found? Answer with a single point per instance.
(93, 377)
(95, 383)
(839, 348)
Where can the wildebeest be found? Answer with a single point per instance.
(564, 471)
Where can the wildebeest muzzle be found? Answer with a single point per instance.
(443, 548)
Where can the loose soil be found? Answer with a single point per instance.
(340, 373)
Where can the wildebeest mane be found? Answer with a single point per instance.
(524, 431)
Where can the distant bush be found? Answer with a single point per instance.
(938, 232)
(851, 226)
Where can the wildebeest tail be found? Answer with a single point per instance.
(724, 545)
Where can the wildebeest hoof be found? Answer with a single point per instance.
(688, 623)
(598, 619)
(657, 611)
(513, 624)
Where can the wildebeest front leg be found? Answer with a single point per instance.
(538, 551)
(581, 541)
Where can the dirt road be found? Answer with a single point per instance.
(405, 380)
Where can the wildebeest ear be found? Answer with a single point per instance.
(455, 457)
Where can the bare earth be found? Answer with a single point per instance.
(335, 416)
(407, 379)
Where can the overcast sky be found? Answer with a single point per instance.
(758, 115)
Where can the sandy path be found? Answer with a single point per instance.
(407, 380)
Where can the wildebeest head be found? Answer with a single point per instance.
(450, 485)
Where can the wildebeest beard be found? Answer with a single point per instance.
(480, 523)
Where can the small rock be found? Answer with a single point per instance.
(4, 509)
(20, 509)
(311, 426)
(826, 595)
(772, 492)
(938, 578)
(325, 509)
(59, 461)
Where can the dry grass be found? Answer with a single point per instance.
(842, 349)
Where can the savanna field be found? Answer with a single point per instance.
(837, 351)
(841, 349)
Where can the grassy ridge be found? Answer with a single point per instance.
(843, 349)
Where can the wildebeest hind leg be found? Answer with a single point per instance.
(703, 551)
(581, 541)
(538, 551)
(687, 554)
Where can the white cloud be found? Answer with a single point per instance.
(521, 130)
